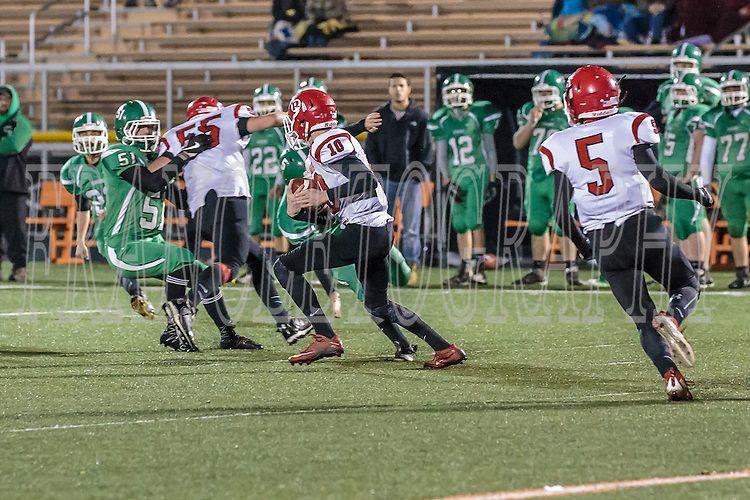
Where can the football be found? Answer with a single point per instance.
(300, 184)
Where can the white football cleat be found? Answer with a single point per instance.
(680, 348)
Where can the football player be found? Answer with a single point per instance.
(464, 134)
(134, 220)
(218, 196)
(346, 198)
(675, 155)
(264, 148)
(727, 131)
(537, 120)
(317, 83)
(608, 159)
(80, 176)
(298, 231)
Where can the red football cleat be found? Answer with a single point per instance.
(677, 386)
(321, 347)
(444, 358)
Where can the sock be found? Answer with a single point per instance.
(656, 348)
(741, 272)
(175, 285)
(304, 296)
(683, 302)
(696, 265)
(208, 292)
(414, 324)
(466, 264)
(130, 285)
(266, 289)
(392, 331)
(326, 280)
(538, 267)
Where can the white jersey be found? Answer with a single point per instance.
(597, 159)
(326, 151)
(221, 168)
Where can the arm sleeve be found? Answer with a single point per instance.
(708, 157)
(660, 180)
(565, 220)
(356, 128)
(441, 158)
(148, 182)
(488, 144)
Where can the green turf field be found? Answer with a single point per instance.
(556, 390)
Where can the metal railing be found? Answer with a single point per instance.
(295, 68)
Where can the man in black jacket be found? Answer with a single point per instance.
(15, 141)
(398, 150)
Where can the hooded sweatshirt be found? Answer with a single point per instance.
(15, 141)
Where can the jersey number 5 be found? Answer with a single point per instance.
(582, 148)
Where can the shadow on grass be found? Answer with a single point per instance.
(212, 413)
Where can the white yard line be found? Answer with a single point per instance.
(50, 313)
(217, 416)
(589, 488)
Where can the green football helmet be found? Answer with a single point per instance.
(458, 91)
(291, 167)
(686, 58)
(132, 116)
(90, 134)
(734, 88)
(267, 100)
(685, 91)
(313, 83)
(548, 89)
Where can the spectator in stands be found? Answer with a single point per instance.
(15, 141)
(329, 19)
(134, 3)
(631, 21)
(288, 27)
(702, 22)
(399, 149)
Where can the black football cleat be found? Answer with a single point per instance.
(294, 330)
(742, 281)
(406, 353)
(463, 278)
(571, 277)
(181, 315)
(170, 338)
(532, 278)
(230, 340)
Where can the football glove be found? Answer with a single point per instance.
(195, 145)
(706, 198)
(455, 192)
(491, 192)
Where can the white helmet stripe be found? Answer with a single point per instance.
(143, 107)
(89, 119)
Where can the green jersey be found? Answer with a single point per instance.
(710, 95)
(131, 214)
(81, 179)
(463, 131)
(265, 149)
(551, 121)
(732, 134)
(676, 146)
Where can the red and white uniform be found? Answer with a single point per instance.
(221, 168)
(328, 150)
(597, 159)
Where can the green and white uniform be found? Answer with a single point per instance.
(675, 155)
(264, 148)
(729, 130)
(83, 180)
(539, 198)
(132, 227)
(462, 130)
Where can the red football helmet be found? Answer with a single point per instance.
(592, 92)
(309, 110)
(206, 104)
